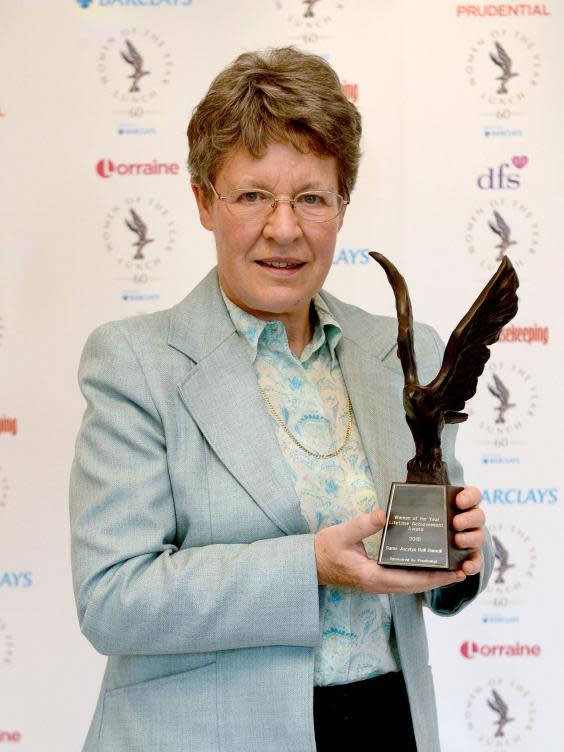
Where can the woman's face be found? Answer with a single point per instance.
(245, 248)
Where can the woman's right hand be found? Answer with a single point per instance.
(341, 560)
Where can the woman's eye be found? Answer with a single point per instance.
(311, 199)
(252, 197)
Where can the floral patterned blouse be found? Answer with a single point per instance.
(310, 396)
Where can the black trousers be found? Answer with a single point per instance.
(369, 711)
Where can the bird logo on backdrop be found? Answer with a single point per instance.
(499, 706)
(308, 13)
(134, 59)
(137, 226)
(502, 229)
(502, 556)
(503, 61)
(501, 392)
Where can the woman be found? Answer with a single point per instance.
(233, 457)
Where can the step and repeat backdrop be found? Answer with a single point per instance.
(463, 113)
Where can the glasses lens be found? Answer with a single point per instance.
(249, 203)
(318, 206)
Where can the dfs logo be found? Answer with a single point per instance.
(500, 178)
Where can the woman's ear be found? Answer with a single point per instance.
(204, 206)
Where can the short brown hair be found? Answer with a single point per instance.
(278, 96)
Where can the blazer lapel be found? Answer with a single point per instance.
(221, 394)
(375, 391)
(372, 389)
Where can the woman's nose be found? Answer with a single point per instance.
(282, 224)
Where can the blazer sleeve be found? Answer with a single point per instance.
(449, 600)
(137, 590)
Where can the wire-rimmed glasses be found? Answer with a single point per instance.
(256, 203)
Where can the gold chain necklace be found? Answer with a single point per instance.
(298, 443)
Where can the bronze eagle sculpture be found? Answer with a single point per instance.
(428, 408)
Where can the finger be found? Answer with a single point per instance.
(469, 497)
(473, 564)
(473, 519)
(356, 530)
(474, 539)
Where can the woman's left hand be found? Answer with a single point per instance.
(469, 527)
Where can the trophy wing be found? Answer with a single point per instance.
(467, 350)
(406, 352)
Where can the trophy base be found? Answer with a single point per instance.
(418, 533)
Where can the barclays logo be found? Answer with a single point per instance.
(139, 296)
(503, 132)
(499, 619)
(144, 3)
(497, 459)
(521, 496)
(10, 580)
(134, 3)
(351, 257)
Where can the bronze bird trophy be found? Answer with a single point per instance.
(418, 531)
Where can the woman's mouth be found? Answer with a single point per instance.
(279, 265)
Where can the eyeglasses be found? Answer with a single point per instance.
(254, 203)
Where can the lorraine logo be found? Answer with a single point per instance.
(84, 3)
(4, 490)
(310, 21)
(106, 168)
(500, 714)
(503, 68)
(471, 649)
(7, 646)
(514, 573)
(503, 177)
(140, 235)
(135, 67)
(502, 226)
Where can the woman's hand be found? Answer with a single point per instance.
(469, 526)
(342, 560)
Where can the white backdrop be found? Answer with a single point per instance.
(447, 158)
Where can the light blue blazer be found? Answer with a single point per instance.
(194, 570)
